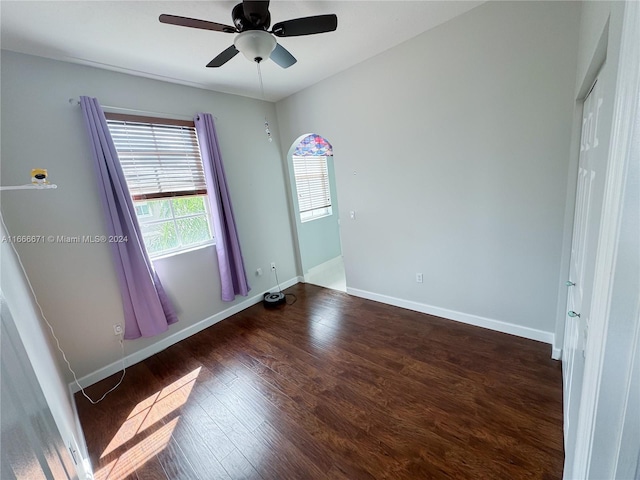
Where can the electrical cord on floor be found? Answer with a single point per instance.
(295, 299)
(275, 272)
(53, 334)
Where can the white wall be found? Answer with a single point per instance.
(76, 284)
(453, 152)
(594, 18)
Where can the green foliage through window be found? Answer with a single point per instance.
(173, 224)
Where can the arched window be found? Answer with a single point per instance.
(313, 145)
(312, 177)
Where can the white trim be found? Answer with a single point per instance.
(631, 407)
(570, 203)
(172, 339)
(85, 468)
(470, 319)
(627, 87)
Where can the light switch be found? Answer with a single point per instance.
(352, 214)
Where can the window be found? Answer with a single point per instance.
(312, 177)
(161, 162)
(312, 185)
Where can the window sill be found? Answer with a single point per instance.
(180, 252)
(306, 220)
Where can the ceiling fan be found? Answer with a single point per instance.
(252, 20)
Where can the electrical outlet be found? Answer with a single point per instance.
(117, 329)
(273, 265)
(259, 272)
(419, 277)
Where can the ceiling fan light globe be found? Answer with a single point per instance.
(256, 45)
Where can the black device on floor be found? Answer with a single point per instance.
(274, 299)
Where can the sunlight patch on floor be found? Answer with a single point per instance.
(146, 414)
(138, 455)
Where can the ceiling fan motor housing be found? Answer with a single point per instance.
(251, 15)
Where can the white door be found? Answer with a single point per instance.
(32, 446)
(591, 171)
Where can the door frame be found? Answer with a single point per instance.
(626, 99)
(303, 273)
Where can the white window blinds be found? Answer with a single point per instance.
(312, 184)
(159, 157)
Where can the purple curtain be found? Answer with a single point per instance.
(147, 309)
(232, 272)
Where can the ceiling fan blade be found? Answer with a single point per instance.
(224, 57)
(306, 26)
(195, 23)
(282, 57)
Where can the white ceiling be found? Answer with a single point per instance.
(126, 36)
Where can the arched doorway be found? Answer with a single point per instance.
(315, 208)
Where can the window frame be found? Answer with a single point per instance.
(140, 199)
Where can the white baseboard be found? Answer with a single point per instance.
(556, 346)
(172, 339)
(83, 464)
(491, 324)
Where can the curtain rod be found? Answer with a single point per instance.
(113, 109)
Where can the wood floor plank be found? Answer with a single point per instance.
(333, 386)
(195, 441)
(368, 385)
(111, 426)
(175, 463)
(151, 470)
(200, 433)
(321, 409)
(238, 467)
(290, 462)
(294, 420)
(337, 438)
(449, 400)
(332, 411)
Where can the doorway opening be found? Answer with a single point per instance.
(315, 204)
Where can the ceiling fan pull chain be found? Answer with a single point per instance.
(266, 123)
(260, 79)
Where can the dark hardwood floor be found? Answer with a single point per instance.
(332, 387)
